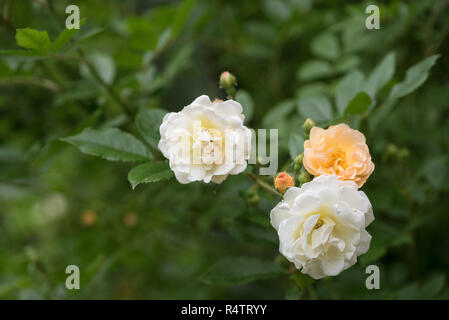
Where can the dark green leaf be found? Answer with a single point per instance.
(434, 170)
(277, 10)
(316, 108)
(279, 112)
(103, 64)
(326, 46)
(381, 75)
(295, 145)
(181, 16)
(149, 172)
(416, 75)
(359, 104)
(432, 286)
(347, 88)
(234, 271)
(314, 69)
(347, 63)
(302, 280)
(110, 144)
(245, 99)
(64, 37)
(148, 122)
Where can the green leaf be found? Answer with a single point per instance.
(347, 63)
(347, 88)
(148, 122)
(302, 280)
(110, 144)
(317, 108)
(359, 104)
(434, 170)
(181, 16)
(294, 293)
(33, 39)
(64, 37)
(295, 145)
(277, 10)
(250, 232)
(375, 252)
(245, 99)
(314, 69)
(381, 75)
(432, 286)
(87, 34)
(326, 46)
(416, 75)
(234, 271)
(409, 292)
(312, 89)
(149, 172)
(277, 113)
(143, 33)
(103, 64)
(428, 290)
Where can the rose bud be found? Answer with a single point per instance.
(308, 125)
(227, 80)
(303, 177)
(298, 162)
(283, 181)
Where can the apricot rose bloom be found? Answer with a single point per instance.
(338, 150)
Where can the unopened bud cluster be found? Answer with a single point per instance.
(304, 177)
(394, 152)
(298, 162)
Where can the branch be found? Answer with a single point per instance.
(44, 83)
(263, 184)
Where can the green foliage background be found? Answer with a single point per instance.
(293, 59)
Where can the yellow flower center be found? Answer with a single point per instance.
(318, 224)
(337, 160)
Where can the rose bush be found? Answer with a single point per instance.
(105, 88)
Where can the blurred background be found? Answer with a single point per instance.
(60, 207)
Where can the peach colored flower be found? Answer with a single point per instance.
(338, 150)
(283, 181)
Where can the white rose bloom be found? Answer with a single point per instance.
(206, 141)
(321, 226)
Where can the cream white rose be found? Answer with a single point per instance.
(206, 141)
(321, 226)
